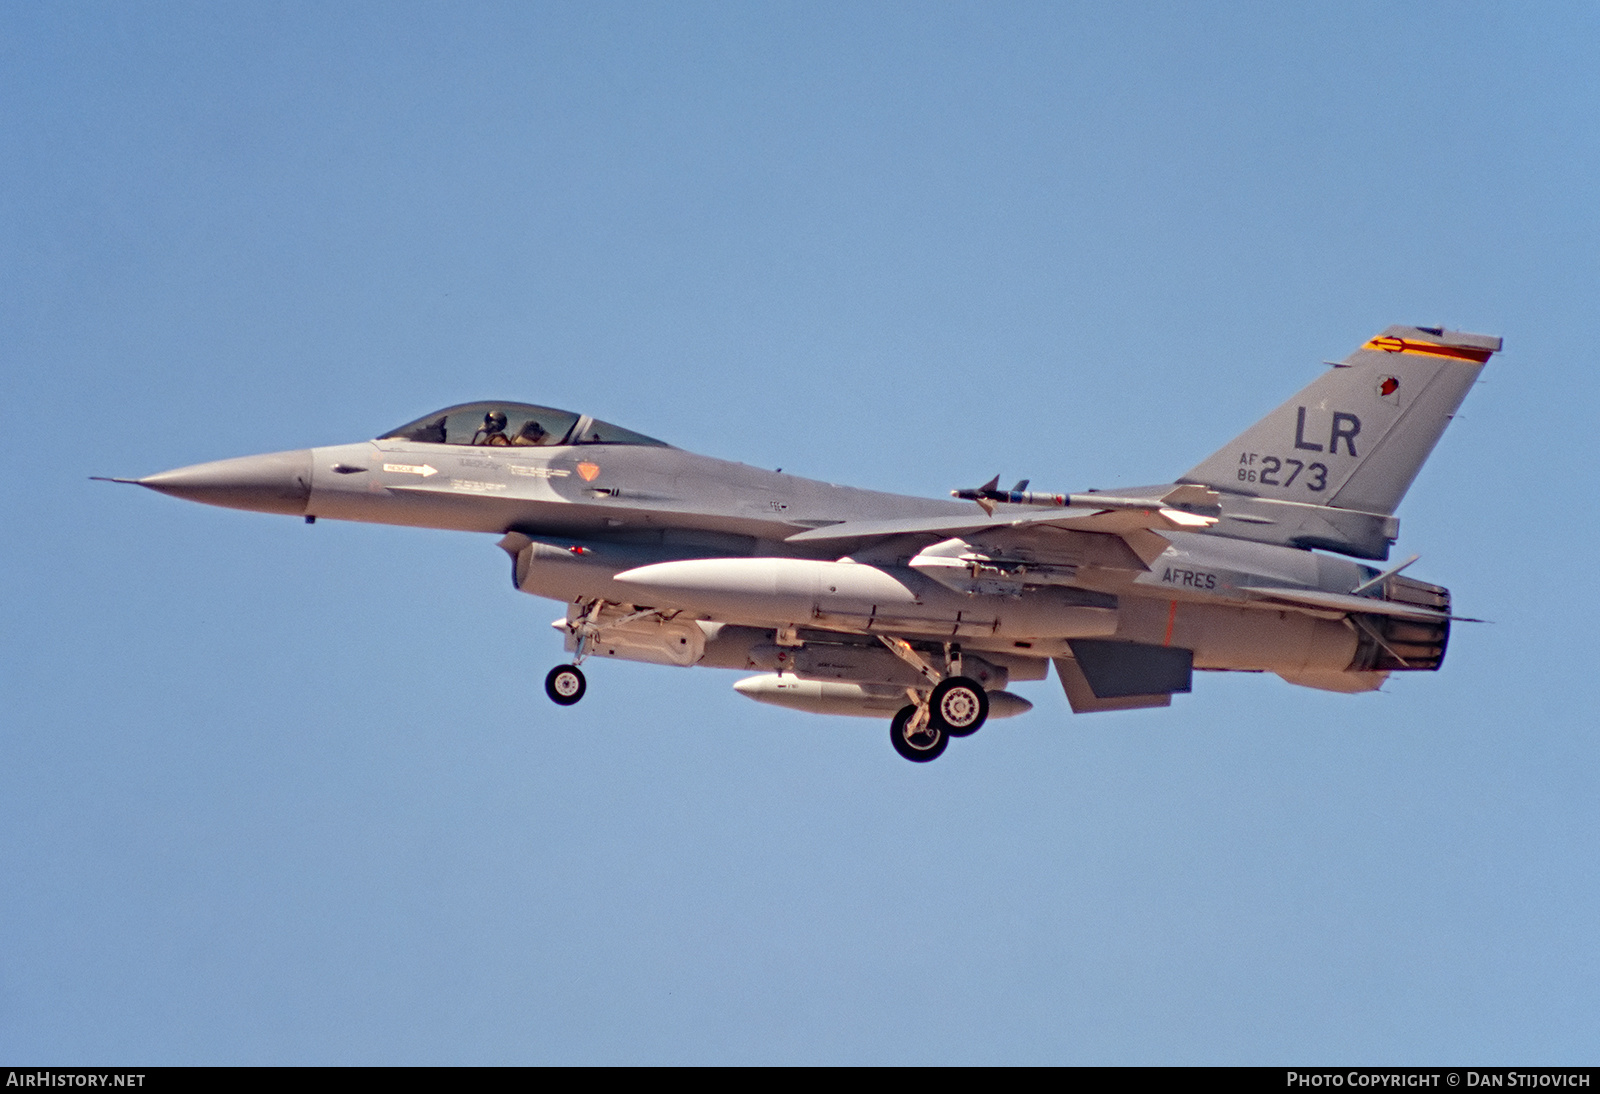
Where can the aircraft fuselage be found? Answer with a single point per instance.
(862, 602)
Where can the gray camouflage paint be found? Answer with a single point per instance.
(696, 560)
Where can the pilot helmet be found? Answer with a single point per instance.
(494, 421)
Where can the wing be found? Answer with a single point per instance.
(1106, 513)
(1112, 532)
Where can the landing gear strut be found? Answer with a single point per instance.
(565, 684)
(956, 705)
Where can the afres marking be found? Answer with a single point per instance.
(1188, 579)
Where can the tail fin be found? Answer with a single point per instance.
(1357, 436)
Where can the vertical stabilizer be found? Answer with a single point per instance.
(1357, 436)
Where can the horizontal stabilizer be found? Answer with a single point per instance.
(1344, 602)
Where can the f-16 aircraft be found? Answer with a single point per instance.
(847, 601)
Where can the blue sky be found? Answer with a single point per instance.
(278, 793)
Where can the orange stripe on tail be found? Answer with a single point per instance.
(1428, 349)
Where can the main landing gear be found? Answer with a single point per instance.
(960, 705)
(915, 737)
(957, 707)
(953, 705)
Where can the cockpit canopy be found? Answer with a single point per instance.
(514, 425)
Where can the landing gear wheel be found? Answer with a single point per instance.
(565, 684)
(917, 745)
(959, 706)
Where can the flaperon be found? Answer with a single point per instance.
(854, 602)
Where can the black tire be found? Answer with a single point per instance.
(959, 706)
(565, 685)
(926, 744)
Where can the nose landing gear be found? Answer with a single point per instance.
(565, 684)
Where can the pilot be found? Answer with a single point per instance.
(493, 430)
(531, 435)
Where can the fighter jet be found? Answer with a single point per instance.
(923, 611)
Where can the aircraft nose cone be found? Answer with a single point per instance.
(278, 482)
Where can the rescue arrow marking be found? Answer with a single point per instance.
(411, 469)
